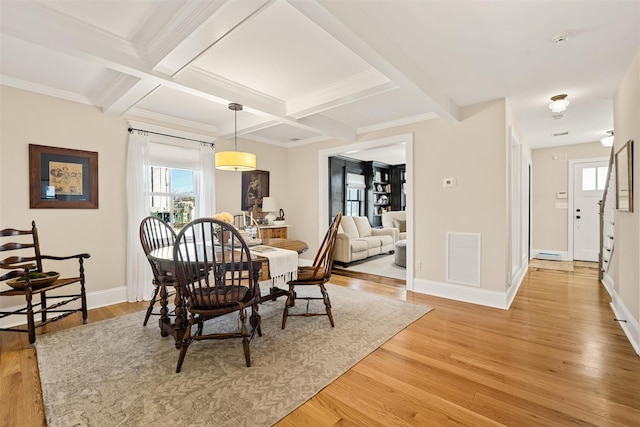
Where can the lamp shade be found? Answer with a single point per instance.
(270, 204)
(235, 161)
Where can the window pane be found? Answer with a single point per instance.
(181, 181)
(602, 177)
(183, 208)
(588, 179)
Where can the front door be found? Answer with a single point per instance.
(589, 180)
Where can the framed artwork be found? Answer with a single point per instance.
(62, 178)
(624, 178)
(255, 186)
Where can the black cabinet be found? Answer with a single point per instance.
(398, 195)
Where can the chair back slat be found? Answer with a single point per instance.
(155, 234)
(323, 262)
(28, 249)
(214, 273)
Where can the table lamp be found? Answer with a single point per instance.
(269, 205)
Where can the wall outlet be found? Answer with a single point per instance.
(448, 182)
(418, 266)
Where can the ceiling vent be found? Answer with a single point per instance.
(560, 134)
(294, 139)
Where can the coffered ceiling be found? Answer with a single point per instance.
(307, 70)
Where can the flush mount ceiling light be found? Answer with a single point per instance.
(235, 160)
(607, 141)
(559, 103)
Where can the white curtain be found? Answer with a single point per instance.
(206, 182)
(139, 276)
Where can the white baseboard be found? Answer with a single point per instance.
(630, 326)
(562, 255)
(607, 282)
(94, 300)
(462, 293)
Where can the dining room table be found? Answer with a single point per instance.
(163, 257)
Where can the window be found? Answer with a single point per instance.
(355, 202)
(594, 178)
(173, 195)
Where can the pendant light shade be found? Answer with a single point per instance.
(235, 160)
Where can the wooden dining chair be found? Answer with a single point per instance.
(24, 271)
(216, 278)
(154, 234)
(317, 274)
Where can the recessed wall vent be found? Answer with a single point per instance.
(463, 258)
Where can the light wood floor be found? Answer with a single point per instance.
(556, 358)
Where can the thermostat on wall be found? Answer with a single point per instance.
(561, 195)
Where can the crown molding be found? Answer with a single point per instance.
(395, 123)
(45, 90)
(164, 118)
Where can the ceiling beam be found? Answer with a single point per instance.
(350, 25)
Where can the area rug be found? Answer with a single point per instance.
(118, 373)
(380, 265)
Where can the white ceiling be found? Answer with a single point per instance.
(309, 70)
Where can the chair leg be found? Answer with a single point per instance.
(245, 337)
(43, 306)
(255, 320)
(290, 303)
(31, 327)
(184, 345)
(151, 304)
(327, 303)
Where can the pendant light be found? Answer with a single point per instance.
(235, 160)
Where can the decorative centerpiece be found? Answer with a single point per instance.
(224, 217)
(38, 280)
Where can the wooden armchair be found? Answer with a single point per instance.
(216, 278)
(154, 234)
(315, 275)
(23, 271)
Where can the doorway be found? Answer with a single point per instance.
(589, 180)
(323, 191)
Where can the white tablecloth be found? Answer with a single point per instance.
(283, 265)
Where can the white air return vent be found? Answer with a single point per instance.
(463, 258)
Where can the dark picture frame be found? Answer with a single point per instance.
(255, 186)
(624, 177)
(62, 178)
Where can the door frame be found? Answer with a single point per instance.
(323, 188)
(570, 216)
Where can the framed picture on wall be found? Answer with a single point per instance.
(624, 178)
(62, 178)
(255, 186)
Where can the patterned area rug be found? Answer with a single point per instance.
(117, 372)
(380, 265)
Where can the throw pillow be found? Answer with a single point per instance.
(400, 224)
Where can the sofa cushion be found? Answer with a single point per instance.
(359, 245)
(362, 223)
(400, 224)
(349, 227)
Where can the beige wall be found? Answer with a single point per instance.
(27, 118)
(472, 151)
(550, 170)
(625, 269)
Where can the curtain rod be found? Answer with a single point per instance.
(173, 136)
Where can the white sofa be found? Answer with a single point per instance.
(398, 221)
(356, 240)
